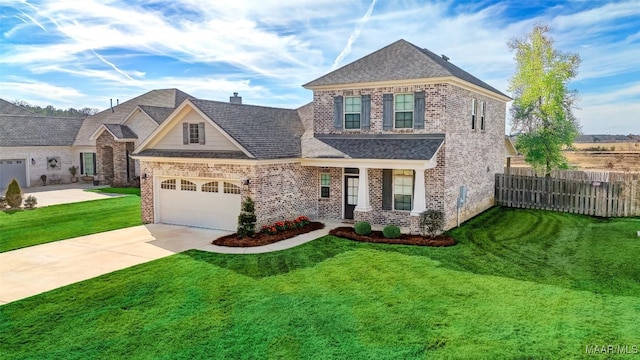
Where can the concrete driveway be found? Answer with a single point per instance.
(34, 270)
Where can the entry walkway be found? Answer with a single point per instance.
(37, 269)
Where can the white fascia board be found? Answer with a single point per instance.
(371, 163)
(214, 161)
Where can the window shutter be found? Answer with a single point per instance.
(185, 133)
(387, 111)
(81, 163)
(387, 190)
(365, 116)
(201, 133)
(418, 110)
(95, 169)
(337, 112)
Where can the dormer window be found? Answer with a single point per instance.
(352, 108)
(193, 133)
(403, 111)
(194, 137)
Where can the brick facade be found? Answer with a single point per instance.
(280, 191)
(112, 160)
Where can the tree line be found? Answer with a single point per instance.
(50, 110)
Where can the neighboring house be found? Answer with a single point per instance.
(386, 137)
(32, 145)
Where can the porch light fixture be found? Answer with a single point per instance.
(245, 184)
(144, 176)
(33, 161)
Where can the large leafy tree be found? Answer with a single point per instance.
(541, 111)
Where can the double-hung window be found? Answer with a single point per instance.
(483, 108)
(325, 185)
(474, 108)
(352, 108)
(404, 111)
(402, 189)
(194, 134)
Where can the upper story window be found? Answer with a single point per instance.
(474, 109)
(403, 111)
(194, 136)
(193, 133)
(352, 108)
(483, 108)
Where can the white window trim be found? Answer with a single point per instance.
(321, 186)
(393, 189)
(345, 113)
(395, 112)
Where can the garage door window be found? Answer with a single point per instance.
(168, 184)
(230, 188)
(210, 187)
(187, 185)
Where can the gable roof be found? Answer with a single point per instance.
(382, 146)
(400, 60)
(37, 130)
(265, 132)
(7, 108)
(118, 131)
(158, 113)
(170, 98)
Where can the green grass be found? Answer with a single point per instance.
(124, 191)
(520, 284)
(22, 228)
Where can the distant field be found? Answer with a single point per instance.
(620, 146)
(622, 156)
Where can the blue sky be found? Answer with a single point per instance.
(71, 53)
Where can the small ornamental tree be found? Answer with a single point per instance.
(247, 219)
(14, 194)
(431, 222)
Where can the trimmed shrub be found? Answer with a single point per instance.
(3, 203)
(30, 202)
(14, 194)
(247, 219)
(431, 222)
(362, 228)
(391, 232)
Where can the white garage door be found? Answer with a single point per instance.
(207, 203)
(13, 169)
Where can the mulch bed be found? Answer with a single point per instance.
(404, 239)
(264, 239)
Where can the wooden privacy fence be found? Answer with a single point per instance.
(588, 197)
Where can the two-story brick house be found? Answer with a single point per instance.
(386, 137)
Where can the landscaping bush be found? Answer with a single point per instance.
(30, 202)
(3, 203)
(431, 222)
(247, 219)
(391, 232)
(362, 228)
(14, 194)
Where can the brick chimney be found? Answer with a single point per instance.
(235, 99)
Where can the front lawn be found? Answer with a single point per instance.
(22, 228)
(519, 284)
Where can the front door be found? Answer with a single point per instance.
(350, 195)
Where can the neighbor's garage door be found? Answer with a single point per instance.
(13, 169)
(207, 203)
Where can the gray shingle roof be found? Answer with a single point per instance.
(159, 98)
(400, 60)
(385, 146)
(36, 130)
(7, 108)
(157, 113)
(121, 132)
(193, 154)
(267, 133)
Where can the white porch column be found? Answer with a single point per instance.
(363, 190)
(419, 202)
